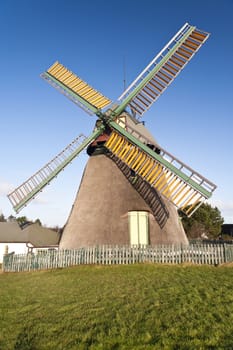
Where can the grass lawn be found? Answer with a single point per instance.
(118, 307)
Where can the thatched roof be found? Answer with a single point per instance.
(100, 212)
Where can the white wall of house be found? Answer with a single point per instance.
(18, 248)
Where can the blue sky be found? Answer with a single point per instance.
(192, 119)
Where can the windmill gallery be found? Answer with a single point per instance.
(132, 185)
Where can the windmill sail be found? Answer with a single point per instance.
(183, 186)
(75, 88)
(30, 188)
(162, 70)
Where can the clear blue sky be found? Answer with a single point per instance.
(192, 119)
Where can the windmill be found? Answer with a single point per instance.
(130, 183)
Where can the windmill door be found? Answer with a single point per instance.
(138, 227)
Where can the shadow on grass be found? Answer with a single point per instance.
(27, 338)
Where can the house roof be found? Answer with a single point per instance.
(38, 236)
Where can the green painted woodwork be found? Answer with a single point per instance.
(140, 86)
(161, 160)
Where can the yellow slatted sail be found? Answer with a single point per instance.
(78, 86)
(175, 189)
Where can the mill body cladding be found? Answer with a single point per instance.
(131, 187)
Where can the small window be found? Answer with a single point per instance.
(121, 121)
(138, 227)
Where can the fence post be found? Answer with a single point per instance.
(4, 262)
(181, 254)
(225, 253)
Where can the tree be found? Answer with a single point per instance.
(11, 218)
(22, 220)
(56, 229)
(205, 221)
(37, 221)
(2, 218)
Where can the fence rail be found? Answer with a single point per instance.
(212, 254)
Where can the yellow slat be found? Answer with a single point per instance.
(159, 179)
(141, 161)
(151, 174)
(74, 83)
(165, 185)
(102, 104)
(179, 185)
(78, 86)
(66, 76)
(131, 155)
(131, 151)
(162, 184)
(172, 189)
(82, 90)
(118, 141)
(97, 103)
(118, 144)
(95, 99)
(160, 169)
(146, 167)
(189, 200)
(59, 75)
(183, 196)
(57, 70)
(124, 151)
(166, 189)
(193, 205)
(54, 68)
(163, 180)
(89, 94)
(114, 140)
(134, 165)
(179, 192)
(110, 140)
(70, 80)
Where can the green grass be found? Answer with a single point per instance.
(118, 307)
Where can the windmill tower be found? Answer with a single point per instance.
(131, 187)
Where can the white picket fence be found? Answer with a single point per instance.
(212, 254)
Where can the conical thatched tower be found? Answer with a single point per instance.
(108, 200)
(100, 214)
